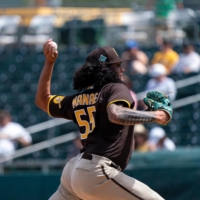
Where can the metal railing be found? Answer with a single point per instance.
(46, 125)
(40, 146)
(179, 84)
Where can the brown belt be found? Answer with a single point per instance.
(89, 157)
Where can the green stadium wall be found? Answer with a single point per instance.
(174, 175)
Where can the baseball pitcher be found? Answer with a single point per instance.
(103, 110)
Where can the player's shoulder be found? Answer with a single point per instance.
(115, 85)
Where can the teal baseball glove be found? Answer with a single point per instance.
(156, 100)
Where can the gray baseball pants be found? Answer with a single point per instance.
(95, 179)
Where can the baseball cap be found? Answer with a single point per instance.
(105, 54)
(131, 44)
(140, 129)
(157, 70)
(155, 134)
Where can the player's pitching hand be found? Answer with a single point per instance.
(50, 51)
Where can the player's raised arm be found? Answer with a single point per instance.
(43, 91)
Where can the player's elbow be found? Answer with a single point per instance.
(113, 114)
(42, 102)
(37, 100)
(111, 118)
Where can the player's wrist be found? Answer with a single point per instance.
(49, 62)
(162, 117)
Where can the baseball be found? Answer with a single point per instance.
(54, 45)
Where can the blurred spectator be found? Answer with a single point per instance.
(161, 82)
(166, 56)
(164, 7)
(138, 59)
(129, 85)
(74, 150)
(11, 134)
(189, 60)
(159, 139)
(141, 139)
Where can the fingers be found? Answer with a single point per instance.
(47, 41)
(46, 44)
(49, 49)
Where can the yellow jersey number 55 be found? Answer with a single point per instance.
(89, 124)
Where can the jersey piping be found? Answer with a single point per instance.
(119, 100)
(52, 96)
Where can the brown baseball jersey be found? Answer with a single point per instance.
(88, 110)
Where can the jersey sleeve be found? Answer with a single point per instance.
(60, 106)
(118, 92)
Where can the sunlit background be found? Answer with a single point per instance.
(79, 26)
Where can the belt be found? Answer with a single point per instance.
(89, 157)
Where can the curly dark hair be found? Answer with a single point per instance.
(96, 75)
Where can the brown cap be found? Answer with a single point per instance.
(104, 54)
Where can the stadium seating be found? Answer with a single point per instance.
(21, 65)
(39, 30)
(176, 22)
(9, 27)
(139, 25)
(79, 32)
(20, 71)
